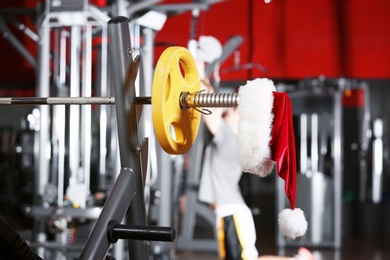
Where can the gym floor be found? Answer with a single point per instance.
(353, 248)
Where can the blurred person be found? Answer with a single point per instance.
(219, 185)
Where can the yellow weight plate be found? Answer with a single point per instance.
(175, 128)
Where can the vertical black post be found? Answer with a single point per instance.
(123, 75)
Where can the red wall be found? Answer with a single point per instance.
(298, 38)
(293, 39)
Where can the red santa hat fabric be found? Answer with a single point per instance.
(266, 137)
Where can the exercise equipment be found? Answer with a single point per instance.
(126, 199)
(65, 51)
(317, 106)
(176, 99)
(175, 73)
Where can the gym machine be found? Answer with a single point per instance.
(322, 166)
(175, 101)
(76, 28)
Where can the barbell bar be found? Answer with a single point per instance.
(168, 140)
(26, 101)
(187, 100)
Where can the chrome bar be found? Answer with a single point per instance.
(314, 142)
(74, 117)
(86, 111)
(187, 100)
(57, 101)
(303, 144)
(377, 167)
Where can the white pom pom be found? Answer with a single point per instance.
(292, 223)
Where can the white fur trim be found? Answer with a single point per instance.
(255, 126)
(292, 223)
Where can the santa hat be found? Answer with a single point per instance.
(265, 137)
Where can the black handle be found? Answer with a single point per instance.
(117, 231)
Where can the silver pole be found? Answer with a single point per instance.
(74, 113)
(338, 168)
(104, 121)
(43, 90)
(303, 143)
(314, 143)
(365, 142)
(60, 118)
(42, 143)
(377, 155)
(86, 116)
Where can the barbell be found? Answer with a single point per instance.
(176, 100)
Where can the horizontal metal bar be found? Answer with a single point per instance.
(24, 101)
(88, 213)
(57, 100)
(186, 100)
